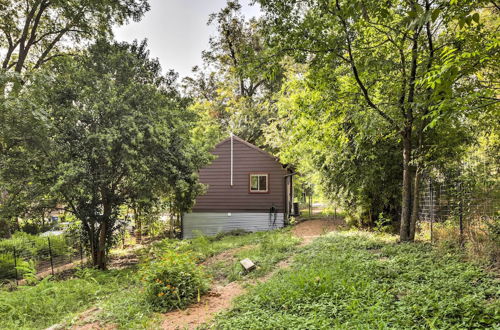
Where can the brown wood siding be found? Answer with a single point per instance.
(221, 197)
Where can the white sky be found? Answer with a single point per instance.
(177, 30)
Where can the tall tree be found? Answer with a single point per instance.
(235, 87)
(33, 32)
(109, 123)
(410, 63)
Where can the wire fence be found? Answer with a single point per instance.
(26, 257)
(461, 210)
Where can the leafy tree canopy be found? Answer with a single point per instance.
(33, 32)
(110, 131)
(412, 72)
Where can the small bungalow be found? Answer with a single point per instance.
(247, 188)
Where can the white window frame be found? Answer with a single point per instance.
(260, 191)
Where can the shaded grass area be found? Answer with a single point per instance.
(365, 281)
(119, 294)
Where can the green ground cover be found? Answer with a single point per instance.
(121, 295)
(357, 280)
(343, 280)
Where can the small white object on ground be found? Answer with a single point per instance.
(247, 264)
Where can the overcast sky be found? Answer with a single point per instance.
(177, 30)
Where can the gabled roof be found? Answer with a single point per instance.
(249, 145)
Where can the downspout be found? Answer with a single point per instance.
(286, 198)
(231, 158)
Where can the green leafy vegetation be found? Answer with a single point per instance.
(172, 280)
(50, 302)
(132, 297)
(29, 249)
(34, 246)
(265, 250)
(367, 100)
(362, 280)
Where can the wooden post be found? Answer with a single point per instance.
(50, 255)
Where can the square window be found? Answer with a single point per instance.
(259, 183)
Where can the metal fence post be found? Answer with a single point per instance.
(81, 253)
(432, 210)
(461, 214)
(50, 255)
(15, 264)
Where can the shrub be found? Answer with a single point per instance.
(29, 250)
(173, 280)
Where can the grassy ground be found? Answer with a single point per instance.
(344, 280)
(356, 280)
(118, 294)
(49, 302)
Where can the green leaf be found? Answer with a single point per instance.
(475, 17)
(435, 14)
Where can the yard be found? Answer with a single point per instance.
(344, 279)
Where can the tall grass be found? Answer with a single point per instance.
(51, 302)
(480, 242)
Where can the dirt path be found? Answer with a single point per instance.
(311, 229)
(221, 297)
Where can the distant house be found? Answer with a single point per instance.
(248, 189)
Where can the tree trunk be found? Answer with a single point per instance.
(404, 232)
(5, 228)
(415, 204)
(101, 247)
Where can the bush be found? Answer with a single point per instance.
(33, 246)
(173, 280)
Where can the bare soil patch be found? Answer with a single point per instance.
(310, 229)
(218, 299)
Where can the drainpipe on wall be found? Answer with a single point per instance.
(288, 202)
(231, 134)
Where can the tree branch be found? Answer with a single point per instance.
(356, 73)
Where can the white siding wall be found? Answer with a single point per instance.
(212, 223)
